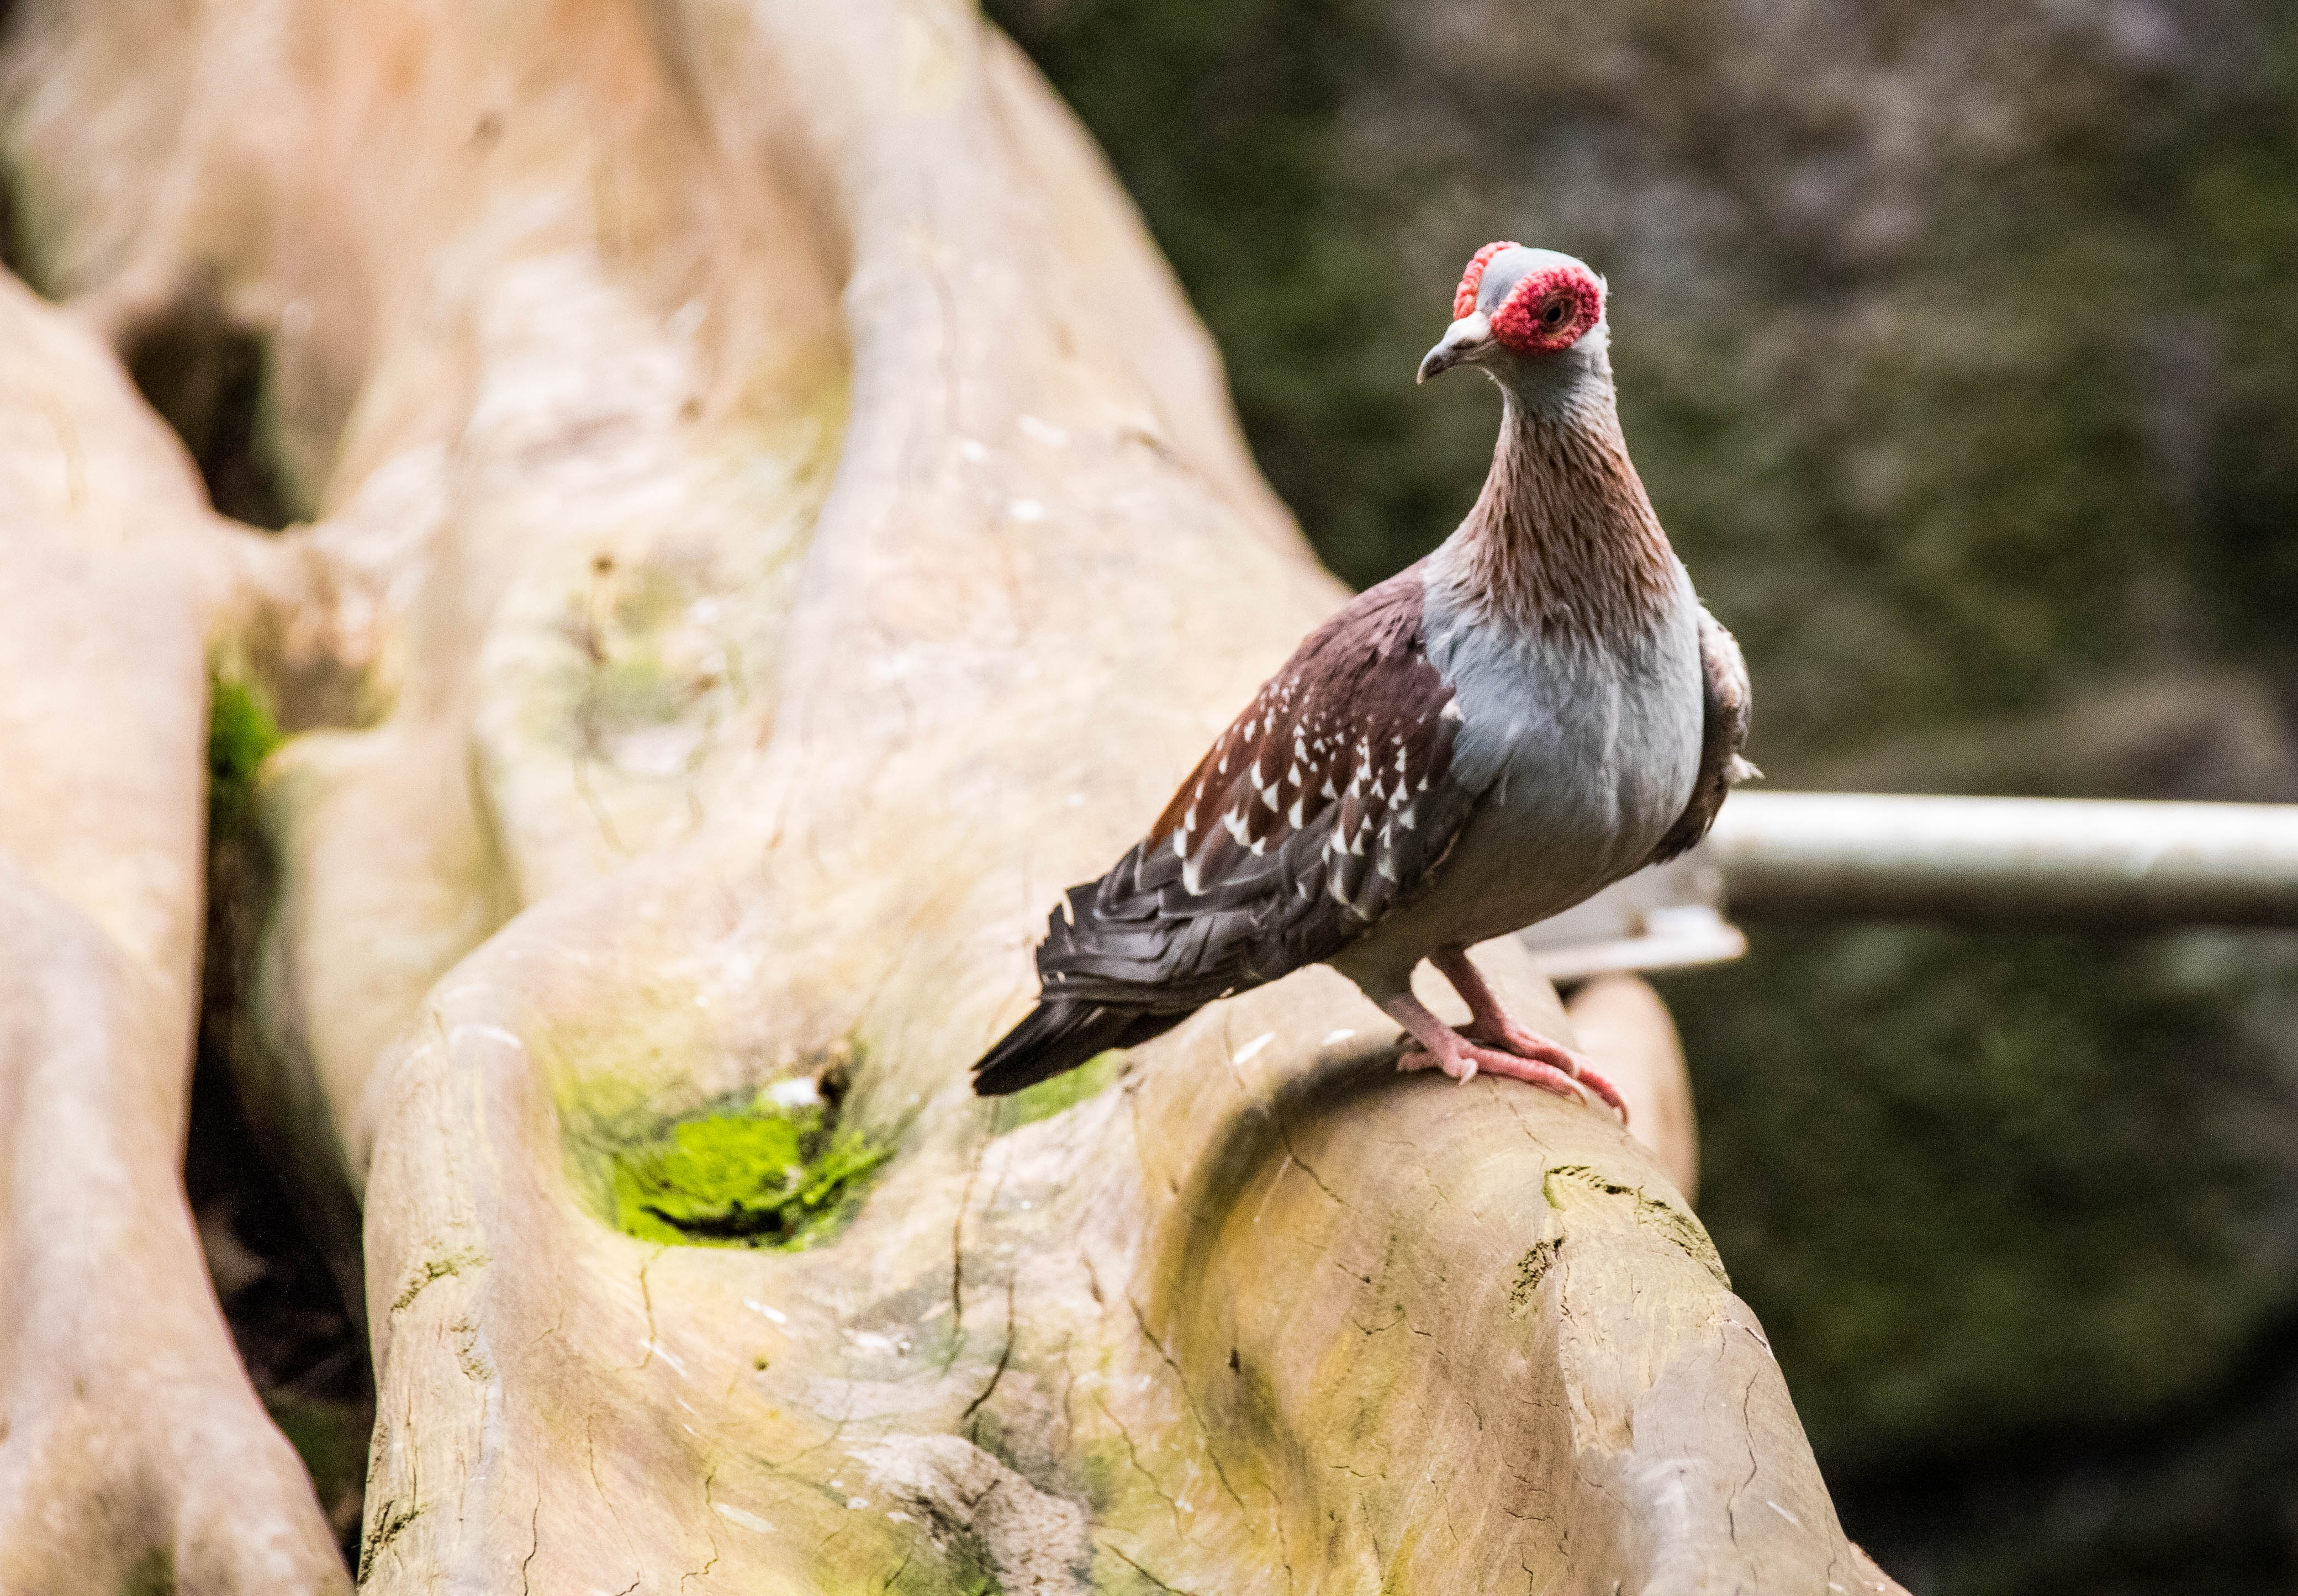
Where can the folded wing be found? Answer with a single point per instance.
(1324, 805)
(1724, 732)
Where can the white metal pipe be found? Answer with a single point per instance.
(2008, 860)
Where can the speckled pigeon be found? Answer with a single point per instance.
(1531, 712)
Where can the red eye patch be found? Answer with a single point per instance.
(1549, 310)
(1464, 297)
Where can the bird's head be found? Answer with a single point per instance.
(1519, 309)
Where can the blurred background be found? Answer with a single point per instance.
(1958, 346)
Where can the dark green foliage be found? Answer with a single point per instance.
(2196, 1504)
(2032, 1184)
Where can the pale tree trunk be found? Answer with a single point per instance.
(131, 1445)
(777, 523)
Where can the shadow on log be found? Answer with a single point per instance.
(783, 525)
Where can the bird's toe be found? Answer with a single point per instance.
(1589, 1076)
(1547, 1077)
(1461, 1066)
(1516, 1042)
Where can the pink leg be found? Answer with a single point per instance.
(1494, 1026)
(1446, 1049)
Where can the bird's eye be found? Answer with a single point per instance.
(1553, 314)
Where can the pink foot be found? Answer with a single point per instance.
(1522, 1055)
(1466, 1059)
(1512, 1038)
(1492, 1024)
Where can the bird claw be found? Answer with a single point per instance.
(1531, 1071)
(1532, 1060)
(1472, 1060)
(1420, 1058)
(1517, 1042)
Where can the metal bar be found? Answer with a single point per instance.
(2072, 861)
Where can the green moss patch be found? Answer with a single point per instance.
(241, 735)
(750, 1172)
(1064, 1091)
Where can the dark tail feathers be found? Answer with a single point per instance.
(1061, 1034)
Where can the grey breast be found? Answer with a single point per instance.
(1590, 749)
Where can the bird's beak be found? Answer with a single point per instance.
(1464, 340)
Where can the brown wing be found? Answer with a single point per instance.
(1326, 804)
(1724, 732)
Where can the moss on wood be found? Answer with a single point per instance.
(751, 1170)
(1062, 1093)
(241, 735)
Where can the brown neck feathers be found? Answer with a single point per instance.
(1563, 538)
